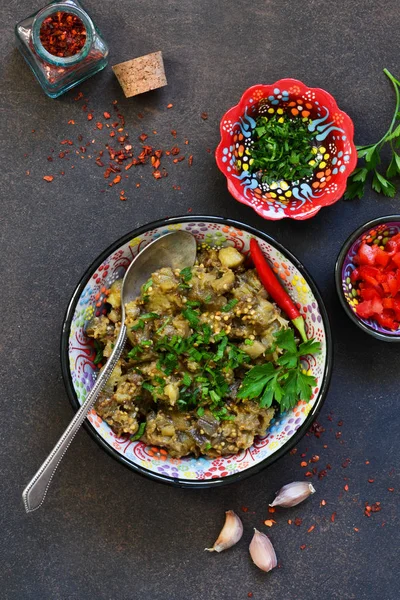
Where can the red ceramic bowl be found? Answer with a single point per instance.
(335, 148)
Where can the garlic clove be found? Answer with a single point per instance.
(262, 552)
(230, 534)
(293, 493)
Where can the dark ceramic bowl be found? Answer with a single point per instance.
(377, 229)
(79, 370)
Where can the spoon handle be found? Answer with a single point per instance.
(35, 492)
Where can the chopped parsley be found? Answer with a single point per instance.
(186, 274)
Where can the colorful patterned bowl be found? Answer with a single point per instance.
(79, 371)
(375, 229)
(304, 198)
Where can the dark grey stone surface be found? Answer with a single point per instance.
(104, 532)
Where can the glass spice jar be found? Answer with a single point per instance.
(62, 46)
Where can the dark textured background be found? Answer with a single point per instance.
(104, 532)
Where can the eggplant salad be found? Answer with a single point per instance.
(208, 361)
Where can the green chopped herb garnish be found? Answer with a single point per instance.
(287, 383)
(200, 411)
(231, 304)
(147, 285)
(193, 303)
(142, 320)
(148, 386)
(186, 380)
(208, 446)
(249, 342)
(139, 432)
(192, 316)
(99, 352)
(186, 274)
(282, 148)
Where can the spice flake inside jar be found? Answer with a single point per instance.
(63, 34)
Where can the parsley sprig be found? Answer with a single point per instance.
(286, 383)
(370, 157)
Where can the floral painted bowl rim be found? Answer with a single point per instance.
(180, 482)
(393, 337)
(286, 82)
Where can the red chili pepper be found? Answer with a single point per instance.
(275, 288)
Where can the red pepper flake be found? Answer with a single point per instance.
(245, 509)
(293, 451)
(157, 175)
(269, 522)
(48, 178)
(179, 159)
(323, 503)
(186, 142)
(71, 122)
(310, 529)
(298, 521)
(173, 133)
(356, 529)
(250, 595)
(138, 185)
(271, 509)
(140, 115)
(175, 150)
(290, 521)
(169, 105)
(122, 195)
(317, 429)
(333, 517)
(346, 488)
(89, 117)
(308, 474)
(304, 463)
(340, 423)
(346, 463)
(208, 150)
(371, 480)
(189, 210)
(79, 96)
(190, 160)
(63, 34)
(338, 434)
(106, 115)
(204, 116)
(50, 158)
(62, 172)
(303, 547)
(143, 137)
(33, 130)
(99, 125)
(28, 172)
(314, 458)
(390, 489)
(69, 142)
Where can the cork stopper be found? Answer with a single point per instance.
(141, 74)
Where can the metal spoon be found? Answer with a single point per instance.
(177, 250)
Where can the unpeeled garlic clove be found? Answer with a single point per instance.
(262, 552)
(230, 534)
(293, 493)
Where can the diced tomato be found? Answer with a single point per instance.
(355, 275)
(396, 308)
(366, 254)
(396, 259)
(395, 238)
(364, 309)
(393, 284)
(388, 303)
(386, 320)
(381, 257)
(369, 293)
(392, 246)
(377, 306)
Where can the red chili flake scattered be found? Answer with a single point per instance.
(157, 175)
(186, 142)
(62, 172)
(310, 529)
(204, 116)
(298, 521)
(106, 115)
(293, 451)
(290, 521)
(189, 210)
(180, 159)
(138, 185)
(271, 509)
(69, 142)
(50, 158)
(269, 522)
(250, 595)
(367, 462)
(79, 96)
(371, 480)
(143, 137)
(356, 529)
(71, 122)
(48, 178)
(28, 172)
(323, 503)
(140, 115)
(317, 429)
(303, 547)
(122, 195)
(333, 517)
(308, 474)
(314, 458)
(304, 463)
(99, 125)
(346, 463)
(175, 150)
(340, 423)
(117, 179)
(173, 133)
(190, 160)
(208, 150)
(346, 488)
(89, 117)
(390, 489)
(62, 34)
(338, 434)
(169, 105)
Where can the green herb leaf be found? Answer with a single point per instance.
(147, 285)
(139, 432)
(229, 305)
(192, 316)
(380, 184)
(200, 411)
(99, 352)
(186, 380)
(186, 274)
